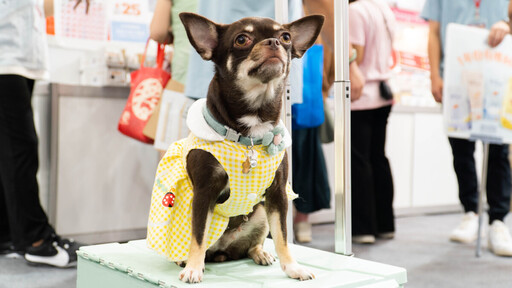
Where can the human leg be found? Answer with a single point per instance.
(498, 182)
(29, 230)
(19, 163)
(498, 198)
(309, 180)
(464, 165)
(309, 172)
(5, 234)
(382, 175)
(363, 199)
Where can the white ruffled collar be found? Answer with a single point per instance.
(200, 128)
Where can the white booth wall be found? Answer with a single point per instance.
(421, 163)
(95, 183)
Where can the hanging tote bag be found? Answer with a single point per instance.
(310, 113)
(146, 88)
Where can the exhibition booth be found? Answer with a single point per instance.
(78, 109)
(87, 167)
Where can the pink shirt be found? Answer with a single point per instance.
(368, 28)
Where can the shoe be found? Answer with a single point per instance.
(7, 250)
(302, 232)
(54, 251)
(363, 239)
(386, 235)
(6, 247)
(500, 241)
(467, 231)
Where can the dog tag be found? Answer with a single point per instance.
(246, 167)
(250, 161)
(253, 162)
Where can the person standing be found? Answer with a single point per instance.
(24, 227)
(166, 27)
(489, 14)
(371, 29)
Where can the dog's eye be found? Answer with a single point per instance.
(286, 38)
(242, 40)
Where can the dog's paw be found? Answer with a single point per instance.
(296, 271)
(261, 257)
(191, 275)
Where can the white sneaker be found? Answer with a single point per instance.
(467, 231)
(363, 239)
(500, 241)
(302, 232)
(386, 235)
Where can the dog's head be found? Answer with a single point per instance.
(251, 49)
(252, 59)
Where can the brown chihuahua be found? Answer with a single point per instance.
(252, 60)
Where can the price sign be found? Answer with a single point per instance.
(130, 8)
(129, 21)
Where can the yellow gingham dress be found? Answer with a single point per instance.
(169, 228)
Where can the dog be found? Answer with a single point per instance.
(219, 193)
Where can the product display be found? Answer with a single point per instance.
(494, 91)
(459, 114)
(506, 112)
(477, 100)
(473, 80)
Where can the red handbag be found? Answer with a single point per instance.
(146, 88)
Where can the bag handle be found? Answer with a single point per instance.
(160, 54)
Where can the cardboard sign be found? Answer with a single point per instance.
(477, 92)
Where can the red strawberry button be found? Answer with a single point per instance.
(168, 200)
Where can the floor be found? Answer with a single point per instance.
(421, 246)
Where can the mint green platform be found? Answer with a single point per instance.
(133, 265)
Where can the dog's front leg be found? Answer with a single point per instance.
(208, 179)
(276, 205)
(194, 269)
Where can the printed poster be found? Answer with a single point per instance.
(107, 20)
(477, 95)
(410, 81)
(75, 23)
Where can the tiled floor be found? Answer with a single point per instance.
(421, 246)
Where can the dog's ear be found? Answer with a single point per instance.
(304, 33)
(202, 33)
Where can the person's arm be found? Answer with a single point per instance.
(510, 14)
(159, 29)
(498, 31)
(87, 4)
(356, 77)
(48, 8)
(434, 57)
(326, 8)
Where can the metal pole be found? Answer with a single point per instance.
(54, 155)
(342, 186)
(482, 190)
(281, 16)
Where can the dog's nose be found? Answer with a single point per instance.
(272, 42)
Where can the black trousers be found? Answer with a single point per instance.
(22, 219)
(372, 182)
(498, 177)
(309, 172)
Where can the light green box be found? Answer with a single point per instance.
(133, 265)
